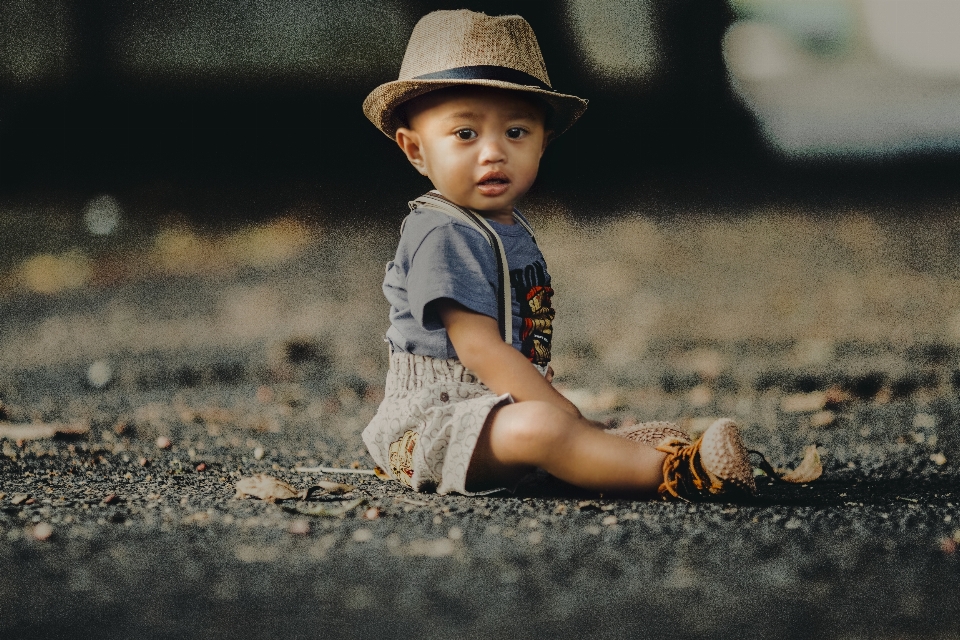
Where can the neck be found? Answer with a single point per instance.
(502, 217)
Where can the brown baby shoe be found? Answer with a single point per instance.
(716, 463)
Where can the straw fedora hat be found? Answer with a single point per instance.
(449, 48)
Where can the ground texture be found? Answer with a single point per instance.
(194, 357)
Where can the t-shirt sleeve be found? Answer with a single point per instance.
(452, 262)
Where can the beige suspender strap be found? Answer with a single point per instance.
(519, 219)
(434, 200)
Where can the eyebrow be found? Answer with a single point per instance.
(513, 115)
(463, 114)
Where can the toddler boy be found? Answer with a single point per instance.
(469, 403)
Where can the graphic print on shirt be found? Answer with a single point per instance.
(531, 285)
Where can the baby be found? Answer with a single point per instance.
(469, 403)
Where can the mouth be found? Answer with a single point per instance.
(493, 183)
(494, 177)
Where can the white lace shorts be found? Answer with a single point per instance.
(428, 424)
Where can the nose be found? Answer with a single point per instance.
(492, 151)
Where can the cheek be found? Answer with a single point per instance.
(531, 164)
(457, 166)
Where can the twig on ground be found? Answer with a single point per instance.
(416, 503)
(365, 472)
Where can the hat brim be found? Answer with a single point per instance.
(381, 104)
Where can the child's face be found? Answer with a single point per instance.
(480, 147)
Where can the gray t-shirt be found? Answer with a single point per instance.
(441, 257)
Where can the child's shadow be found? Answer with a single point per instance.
(821, 493)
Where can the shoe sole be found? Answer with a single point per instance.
(650, 433)
(723, 456)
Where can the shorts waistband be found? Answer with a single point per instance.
(409, 371)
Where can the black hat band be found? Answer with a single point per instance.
(487, 72)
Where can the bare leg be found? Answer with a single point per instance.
(518, 437)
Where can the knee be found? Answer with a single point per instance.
(530, 426)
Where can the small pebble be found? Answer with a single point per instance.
(144, 462)
(372, 513)
(362, 535)
(99, 374)
(947, 545)
(163, 442)
(42, 531)
(202, 466)
(110, 498)
(30, 501)
(609, 521)
(19, 498)
(258, 453)
(299, 527)
(455, 533)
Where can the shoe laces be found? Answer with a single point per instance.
(683, 472)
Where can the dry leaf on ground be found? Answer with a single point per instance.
(265, 487)
(808, 470)
(335, 487)
(38, 430)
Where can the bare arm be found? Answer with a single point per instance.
(480, 347)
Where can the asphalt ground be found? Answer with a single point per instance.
(195, 358)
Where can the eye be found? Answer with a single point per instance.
(516, 132)
(466, 134)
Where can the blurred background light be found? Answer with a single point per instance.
(102, 215)
(921, 36)
(618, 38)
(52, 273)
(842, 78)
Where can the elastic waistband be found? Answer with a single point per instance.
(409, 371)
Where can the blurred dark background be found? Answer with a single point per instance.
(242, 108)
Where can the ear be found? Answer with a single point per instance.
(409, 142)
(547, 139)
